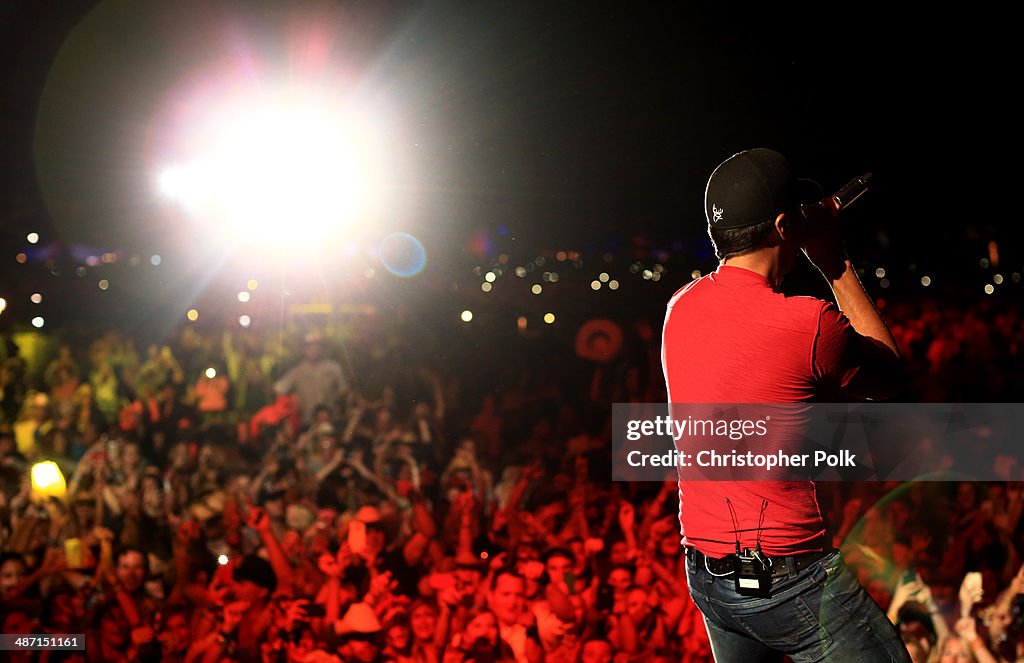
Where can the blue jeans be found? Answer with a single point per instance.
(820, 613)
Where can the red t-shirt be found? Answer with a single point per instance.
(730, 338)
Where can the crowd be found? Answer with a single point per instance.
(344, 496)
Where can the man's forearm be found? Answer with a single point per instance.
(854, 302)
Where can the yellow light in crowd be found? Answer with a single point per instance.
(613, 284)
(3, 304)
(989, 289)
(603, 277)
(38, 322)
(595, 285)
(537, 289)
(192, 314)
(549, 318)
(47, 480)
(211, 372)
(467, 315)
(243, 296)
(104, 284)
(244, 320)
(36, 298)
(252, 284)
(32, 238)
(486, 287)
(926, 281)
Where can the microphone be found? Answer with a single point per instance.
(856, 188)
(818, 214)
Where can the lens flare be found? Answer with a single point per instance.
(402, 254)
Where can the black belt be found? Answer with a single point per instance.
(780, 565)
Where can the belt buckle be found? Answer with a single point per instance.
(780, 567)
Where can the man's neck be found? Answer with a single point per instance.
(764, 262)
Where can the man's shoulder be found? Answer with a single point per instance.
(810, 305)
(692, 286)
(765, 306)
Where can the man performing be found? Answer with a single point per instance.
(732, 337)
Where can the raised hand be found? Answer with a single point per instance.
(627, 516)
(966, 628)
(970, 592)
(188, 531)
(329, 565)
(258, 519)
(498, 561)
(233, 613)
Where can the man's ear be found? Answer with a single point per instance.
(784, 226)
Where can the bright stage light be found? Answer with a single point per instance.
(285, 170)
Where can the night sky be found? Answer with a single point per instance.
(566, 125)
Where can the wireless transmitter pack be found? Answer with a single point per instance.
(752, 574)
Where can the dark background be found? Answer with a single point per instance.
(530, 127)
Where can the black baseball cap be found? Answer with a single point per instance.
(754, 186)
